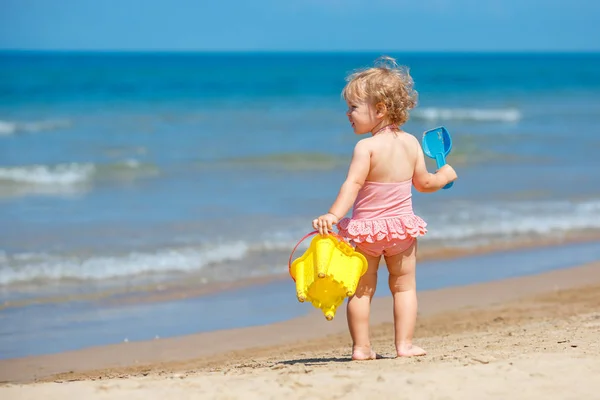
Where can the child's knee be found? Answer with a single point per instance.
(402, 283)
(367, 285)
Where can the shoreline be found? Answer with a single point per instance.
(203, 352)
(50, 329)
(188, 288)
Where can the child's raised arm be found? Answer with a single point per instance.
(427, 182)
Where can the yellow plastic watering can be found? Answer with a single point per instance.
(327, 272)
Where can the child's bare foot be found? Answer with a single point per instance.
(409, 350)
(363, 353)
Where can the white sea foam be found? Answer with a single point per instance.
(7, 128)
(43, 267)
(462, 224)
(12, 127)
(505, 220)
(62, 174)
(467, 114)
(469, 223)
(65, 174)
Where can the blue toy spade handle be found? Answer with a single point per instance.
(441, 161)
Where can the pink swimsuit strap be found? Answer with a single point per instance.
(383, 200)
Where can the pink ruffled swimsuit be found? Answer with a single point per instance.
(382, 220)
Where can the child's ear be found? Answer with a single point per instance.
(381, 109)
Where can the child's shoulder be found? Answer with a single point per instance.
(409, 135)
(366, 141)
(410, 138)
(363, 144)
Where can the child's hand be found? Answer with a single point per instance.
(448, 172)
(324, 224)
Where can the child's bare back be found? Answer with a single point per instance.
(397, 156)
(393, 156)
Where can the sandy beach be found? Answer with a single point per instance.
(529, 337)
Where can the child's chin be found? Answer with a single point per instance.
(357, 131)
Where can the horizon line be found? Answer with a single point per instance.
(300, 51)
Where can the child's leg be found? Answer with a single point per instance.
(404, 291)
(358, 310)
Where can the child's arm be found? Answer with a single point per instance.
(427, 182)
(357, 174)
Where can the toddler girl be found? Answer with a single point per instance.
(378, 187)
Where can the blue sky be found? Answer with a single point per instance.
(273, 25)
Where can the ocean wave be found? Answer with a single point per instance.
(467, 223)
(461, 225)
(467, 114)
(70, 174)
(12, 127)
(62, 174)
(511, 220)
(43, 267)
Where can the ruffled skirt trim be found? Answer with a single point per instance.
(374, 230)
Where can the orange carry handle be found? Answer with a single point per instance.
(341, 239)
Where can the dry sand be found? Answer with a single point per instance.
(524, 338)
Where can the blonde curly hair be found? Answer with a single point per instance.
(386, 83)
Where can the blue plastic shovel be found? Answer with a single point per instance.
(437, 144)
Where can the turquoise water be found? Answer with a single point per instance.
(122, 169)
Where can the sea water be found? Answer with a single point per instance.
(121, 170)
